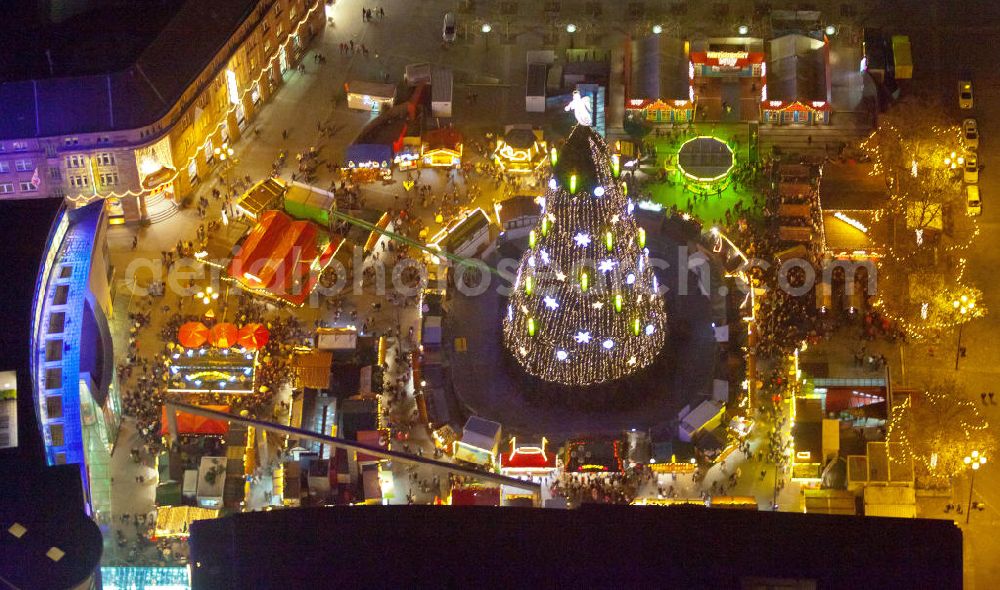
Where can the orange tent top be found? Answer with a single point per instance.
(191, 424)
(224, 335)
(282, 255)
(253, 336)
(192, 334)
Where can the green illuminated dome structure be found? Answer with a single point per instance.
(585, 307)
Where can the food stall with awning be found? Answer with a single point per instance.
(175, 521)
(261, 197)
(796, 88)
(657, 80)
(479, 443)
(442, 148)
(522, 150)
(371, 157)
(369, 96)
(306, 202)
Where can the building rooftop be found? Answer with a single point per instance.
(611, 546)
(122, 79)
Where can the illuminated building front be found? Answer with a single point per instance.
(143, 136)
(77, 398)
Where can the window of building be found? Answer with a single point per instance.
(79, 180)
(27, 186)
(6, 188)
(267, 46)
(109, 179)
(23, 165)
(20, 146)
(71, 140)
(255, 93)
(106, 159)
(75, 162)
(209, 150)
(193, 171)
(4, 166)
(58, 193)
(53, 406)
(292, 13)
(103, 140)
(56, 435)
(53, 378)
(50, 150)
(55, 174)
(281, 30)
(277, 8)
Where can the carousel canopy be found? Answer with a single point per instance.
(253, 336)
(223, 335)
(192, 334)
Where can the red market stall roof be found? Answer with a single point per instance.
(191, 424)
(445, 138)
(475, 496)
(253, 336)
(528, 458)
(282, 256)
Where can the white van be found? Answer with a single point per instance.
(973, 204)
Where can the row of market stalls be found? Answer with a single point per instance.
(669, 80)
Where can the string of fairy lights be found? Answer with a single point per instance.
(585, 306)
(919, 168)
(937, 449)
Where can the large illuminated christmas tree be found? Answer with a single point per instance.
(585, 307)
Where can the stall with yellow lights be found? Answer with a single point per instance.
(442, 148)
(522, 150)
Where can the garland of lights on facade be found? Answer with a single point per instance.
(585, 306)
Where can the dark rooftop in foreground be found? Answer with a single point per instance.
(595, 546)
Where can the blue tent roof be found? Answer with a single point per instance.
(369, 152)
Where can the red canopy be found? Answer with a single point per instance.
(253, 336)
(192, 334)
(191, 424)
(224, 335)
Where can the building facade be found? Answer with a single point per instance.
(148, 134)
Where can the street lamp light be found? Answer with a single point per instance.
(743, 30)
(831, 30)
(570, 28)
(973, 461)
(963, 305)
(657, 29)
(487, 27)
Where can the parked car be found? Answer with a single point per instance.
(971, 171)
(965, 94)
(448, 30)
(973, 204)
(971, 132)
